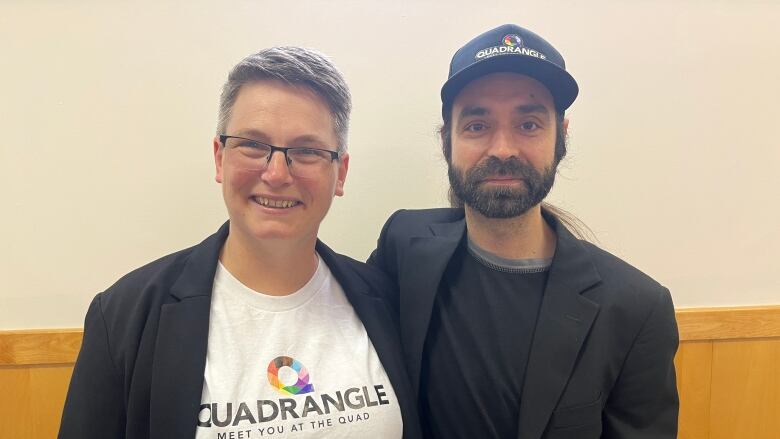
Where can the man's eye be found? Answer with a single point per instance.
(529, 126)
(475, 127)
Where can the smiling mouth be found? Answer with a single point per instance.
(275, 204)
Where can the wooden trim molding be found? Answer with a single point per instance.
(39, 346)
(61, 346)
(728, 323)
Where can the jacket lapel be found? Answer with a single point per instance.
(372, 311)
(421, 273)
(181, 347)
(380, 327)
(564, 320)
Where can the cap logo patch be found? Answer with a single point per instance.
(512, 44)
(512, 40)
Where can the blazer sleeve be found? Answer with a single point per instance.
(644, 402)
(383, 257)
(94, 407)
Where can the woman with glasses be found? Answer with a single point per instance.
(261, 330)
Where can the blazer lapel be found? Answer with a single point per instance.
(564, 320)
(380, 326)
(421, 272)
(373, 313)
(181, 347)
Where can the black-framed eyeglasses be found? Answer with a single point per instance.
(301, 161)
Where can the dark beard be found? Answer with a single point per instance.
(501, 202)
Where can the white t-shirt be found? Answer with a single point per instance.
(297, 366)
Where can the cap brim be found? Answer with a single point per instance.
(561, 84)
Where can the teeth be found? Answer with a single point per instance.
(280, 204)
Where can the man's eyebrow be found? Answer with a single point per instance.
(473, 111)
(532, 108)
(522, 109)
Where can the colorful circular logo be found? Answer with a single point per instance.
(512, 40)
(300, 387)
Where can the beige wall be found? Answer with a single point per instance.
(107, 111)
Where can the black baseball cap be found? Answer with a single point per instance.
(510, 48)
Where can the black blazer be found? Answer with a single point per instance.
(139, 373)
(601, 361)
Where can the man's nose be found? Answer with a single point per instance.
(502, 144)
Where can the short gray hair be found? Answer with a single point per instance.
(296, 66)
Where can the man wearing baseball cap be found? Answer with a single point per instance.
(512, 326)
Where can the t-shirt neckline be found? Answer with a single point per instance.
(225, 280)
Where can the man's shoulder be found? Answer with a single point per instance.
(623, 286)
(612, 266)
(413, 220)
(436, 214)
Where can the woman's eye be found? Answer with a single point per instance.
(248, 144)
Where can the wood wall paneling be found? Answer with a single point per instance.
(693, 364)
(728, 323)
(745, 400)
(728, 375)
(39, 346)
(31, 400)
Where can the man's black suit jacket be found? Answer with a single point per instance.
(601, 361)
(139, 373)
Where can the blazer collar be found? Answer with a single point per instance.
(197, 275)
(450, 230)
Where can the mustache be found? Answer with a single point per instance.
(511, 167)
